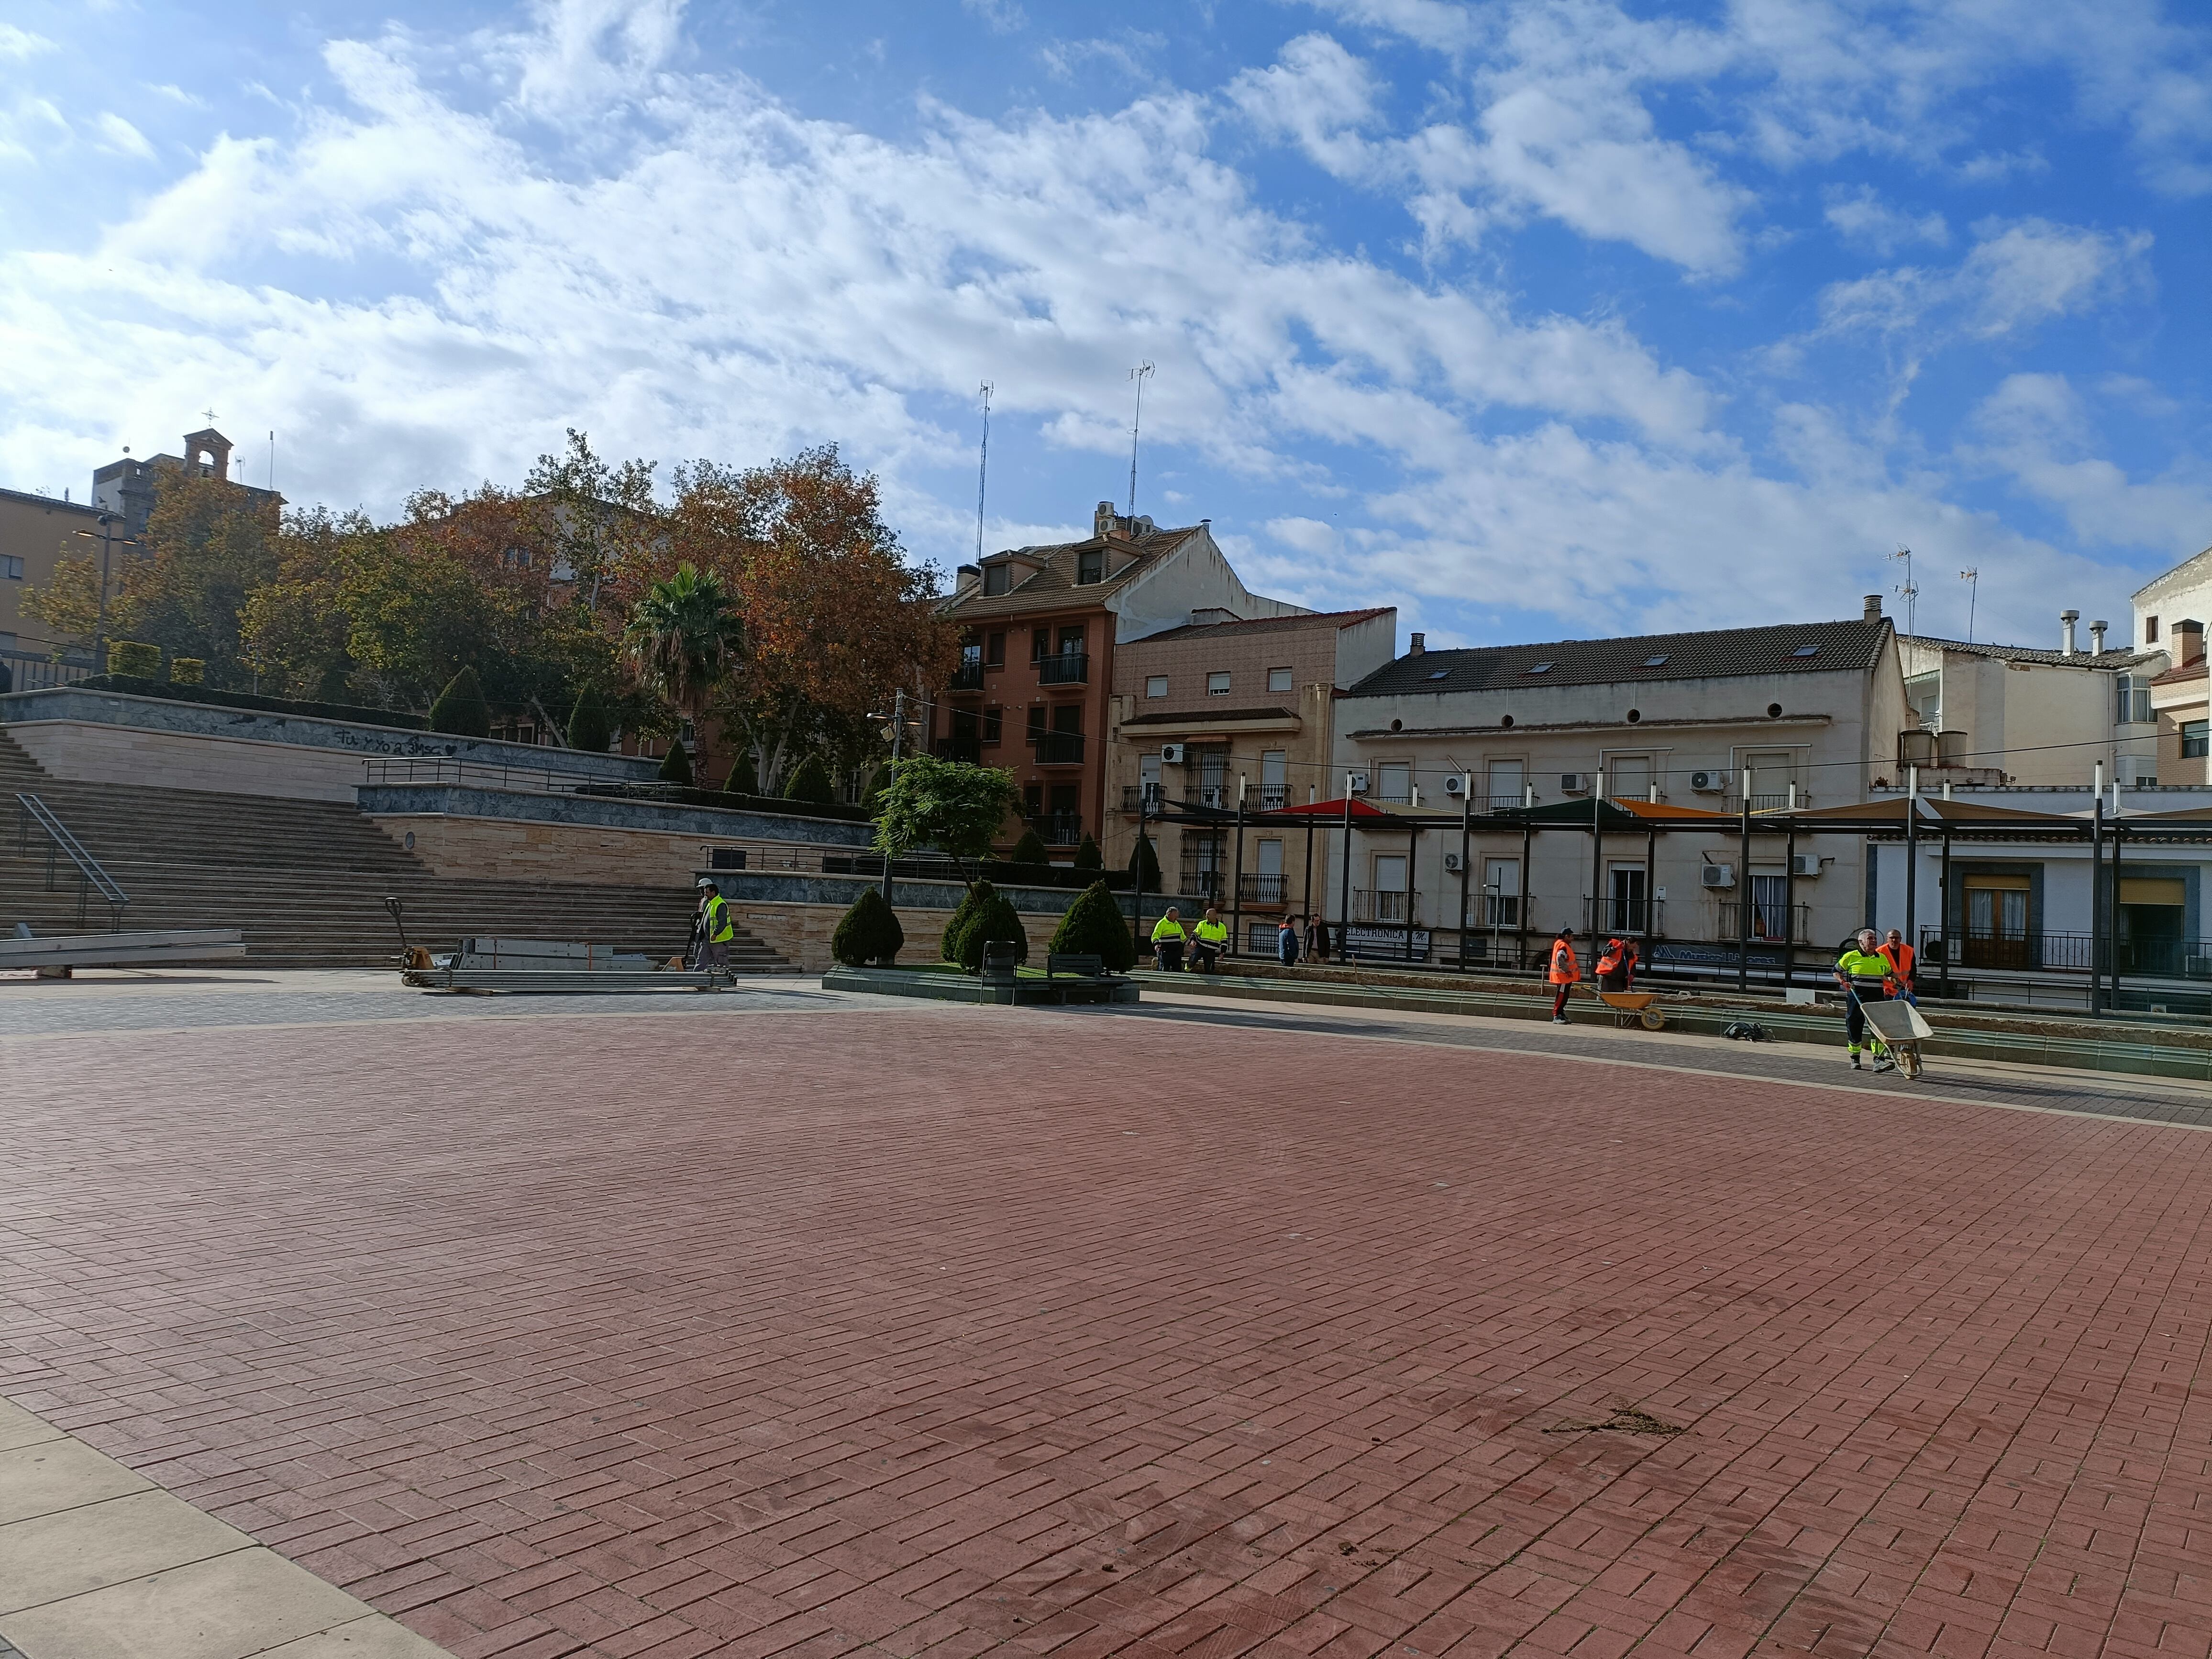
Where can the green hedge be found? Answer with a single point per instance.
(137, 686)
(131, 657)
(1094, 925)
(870, 932)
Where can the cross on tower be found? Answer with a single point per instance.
(209, 415)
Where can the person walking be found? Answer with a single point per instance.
(1168, 937)
(1566, 971)
(1904, 967)
(713, 927)
(1286, 941)
(1863, 973)
(1212, 939)
(1316, 939)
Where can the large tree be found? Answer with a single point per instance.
(684, 633)
(835, 619)
(209, 545)
(600, 521)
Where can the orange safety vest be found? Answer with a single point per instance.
(1900, 959)
(1610, 962)
(1566, 971)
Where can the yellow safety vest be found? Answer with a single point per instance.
(1165, 929)
(718, 930)
(1213, 932)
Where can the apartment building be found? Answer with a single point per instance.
(1806, 715)
(1043, 629)
(1987, 715)
(1220, 710)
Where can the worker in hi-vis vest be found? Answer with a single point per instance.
(1168, 937)
(1212, 939)
(1566, 971)
(713, 925)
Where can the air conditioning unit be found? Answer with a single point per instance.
(1804, 863)
(1708, 783)
(1358, 782)
(1574, 783)
(1716, 875)
(1452, 863)
(1456, 785)
(1171, 754)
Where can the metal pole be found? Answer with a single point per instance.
(1943, 931)
(1743, 898)
(1237, 877)
(1790, 900)
(1412, 842)
(1528, 894)
(1137, 863)
(1305, 887)
(1651, 877)
(2096, 893)
(1597, 855)
(1911, 853)
(2113, 929)
(1344, 887)
(1466, 830)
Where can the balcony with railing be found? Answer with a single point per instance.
(1772, 923)
(1205, 883)
(1058, 747)
(1760, 802)
(1141, 798)
(2147, 959)
(1207, 794)
(1057, 828)
(1063, 668)
(968, 676)
(959, 749)
(1271, 887)
(1380, 905)
(1273, 796)
(1626, 915)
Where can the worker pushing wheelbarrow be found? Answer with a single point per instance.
(1877, 1016)
(1616, 979)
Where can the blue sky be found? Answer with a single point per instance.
(1536, 317)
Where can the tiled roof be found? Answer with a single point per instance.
(1054, 585)
(1273, 625)
(2188, 671)
(1210, 716)
(34, 500)
(1719, 653)
(2120, 658)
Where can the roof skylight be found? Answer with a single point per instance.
(1655, 662)
(1806, 651)
(1440, 674)
(1542, 668)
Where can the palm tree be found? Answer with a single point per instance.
(682, 635)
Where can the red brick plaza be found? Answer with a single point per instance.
(955, 1331)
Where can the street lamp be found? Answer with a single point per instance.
(108, 541)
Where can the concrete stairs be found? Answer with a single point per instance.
(304, 880)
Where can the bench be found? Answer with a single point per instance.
(1089, 971)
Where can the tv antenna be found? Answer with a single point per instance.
(1973, 580)
(1140, 374)
(1908, 592)
(983, 467)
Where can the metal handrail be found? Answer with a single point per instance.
(91, 878)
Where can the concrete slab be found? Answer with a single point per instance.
(51, 1557)
(20, 1428)
(376, 1638)
(59, 1474)
(245, 1602)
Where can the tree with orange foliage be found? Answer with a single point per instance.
(834, 619)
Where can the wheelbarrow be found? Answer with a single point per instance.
(1634, 1008)
(1900, 1027)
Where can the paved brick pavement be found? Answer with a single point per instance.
(939, 1331)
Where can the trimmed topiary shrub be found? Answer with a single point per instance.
(130, 656)
(675, 766)
(590, 725)
(1088, 857)
(995, 920)
(948, 944)
(870, 932)
(460, 710)
(1142, 854)
(187, 670)
(745, 776)
(1094, 925)
(809, 782)
(1028, 850)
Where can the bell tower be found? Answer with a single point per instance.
(206, 453)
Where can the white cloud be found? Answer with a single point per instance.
(1319, 96)
(119, 137)
(2014, 276)
(19, 45)
(2034, 430)
(1862, 219)
(1000, 16)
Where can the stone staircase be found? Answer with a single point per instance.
(305, 881)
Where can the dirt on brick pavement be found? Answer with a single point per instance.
(943, 1330)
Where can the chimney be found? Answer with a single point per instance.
(1415, 644)
(2189, 641)
(2097, 636)
(1873, 613)
(1102, 519)
(2066, 621)
(967, 576)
